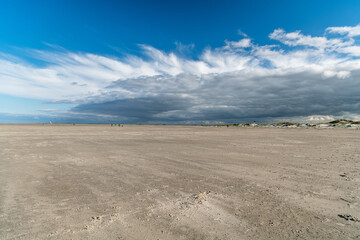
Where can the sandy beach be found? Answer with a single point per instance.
(178, 182)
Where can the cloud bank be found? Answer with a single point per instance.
(296, 77)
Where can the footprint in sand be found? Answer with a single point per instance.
(348, 217)
(345, 176)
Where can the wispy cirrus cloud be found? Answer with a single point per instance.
(320, 43)
(300, 76)
(348, 31)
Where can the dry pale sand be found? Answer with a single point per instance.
(178, 182)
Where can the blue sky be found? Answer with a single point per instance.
(179, 61)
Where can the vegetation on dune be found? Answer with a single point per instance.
(344, 121)
(338, 122)
(286, 124)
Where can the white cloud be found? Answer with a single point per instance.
(340, 74)
(320, 118)
(349, 31)
(298, 39)
(240, 78)
(243, 43)
(241, 33)
(351, 50)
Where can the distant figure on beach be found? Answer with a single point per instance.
(50, 122)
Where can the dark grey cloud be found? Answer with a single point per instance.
(144, 108)
(230, 97)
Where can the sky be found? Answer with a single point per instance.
(179, 62)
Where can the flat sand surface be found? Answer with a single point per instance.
(178, 182)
